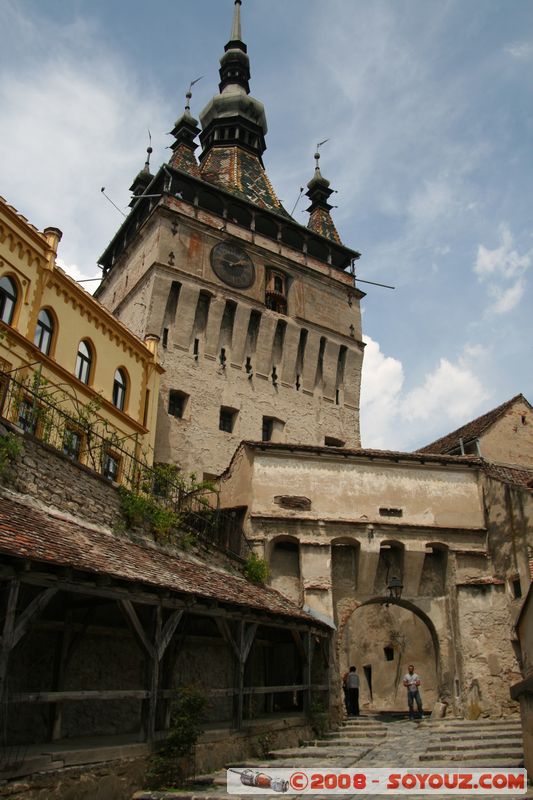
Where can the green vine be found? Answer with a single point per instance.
(163, 503)
(10, 448)
(168, 767)
(256, 569)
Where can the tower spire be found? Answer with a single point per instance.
(319, 192)
(143, 178)
(236, 35)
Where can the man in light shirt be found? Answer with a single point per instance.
(412, 681)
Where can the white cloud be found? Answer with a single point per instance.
(522, 51)
(503, 260)
(449, 395)
(506, 299)
(498, 267)
(451, 392)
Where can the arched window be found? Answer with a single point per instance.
(84, 361)
(44, 331)
(8, 299)
(119, 389)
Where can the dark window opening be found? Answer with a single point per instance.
(165, 338)
(111, 467)
(253, 331)
(84, 362)
(367, 669)
(268, 429)
(222, 357)
(44, 331)
(389, 653)
(516, 587)
(8, 300)
(119, 390)
(228, 321)
(320, 362)
(196, 349)
(28, 417)
(227, 419)
(176, 403)
(72, 441)
(330, 441)
(391, 512)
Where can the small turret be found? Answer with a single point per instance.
(185, 131)
(142, 180)
(319, 192)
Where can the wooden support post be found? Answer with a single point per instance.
(241, 648)
(154, 651)
(307, 671)
(15, 629)
(8, 635)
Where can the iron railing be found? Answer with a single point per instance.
(74, 428)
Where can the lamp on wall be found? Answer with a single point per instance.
(395, 587)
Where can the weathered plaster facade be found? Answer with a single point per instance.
(336, 526)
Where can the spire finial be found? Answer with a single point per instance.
(317, 155)
(149, 151)
(189, 93)
(236, 34)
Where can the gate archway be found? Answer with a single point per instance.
(381, 638)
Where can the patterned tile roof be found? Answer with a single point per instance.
(320, 221)
(183, 158)
(242, 174)
(29, 532)
(472, 430)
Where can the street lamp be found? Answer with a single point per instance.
(395, 587)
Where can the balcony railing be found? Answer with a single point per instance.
(74, 428)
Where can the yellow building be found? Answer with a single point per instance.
(70, 372)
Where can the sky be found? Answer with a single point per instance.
(427, 106)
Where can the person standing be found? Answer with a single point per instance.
(411, 681)
(352, 691)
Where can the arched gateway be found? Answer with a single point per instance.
(381, 638)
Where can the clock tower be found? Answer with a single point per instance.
(257, 316)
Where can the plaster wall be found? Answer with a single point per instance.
(510, 439)
(489, 666)
(339, 489)
(510, 531)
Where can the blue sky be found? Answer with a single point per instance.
(428, 109)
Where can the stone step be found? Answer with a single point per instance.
(511, 736)
(477, 757)
(344, 734)
(466, 723)
(316, 752)
(481, 763)
(344, 743)
(483, 744)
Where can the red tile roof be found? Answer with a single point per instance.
(362, 453)
(472, 430)
(30, 533)
(517, 475)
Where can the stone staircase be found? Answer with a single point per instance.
(372, 741)
(483, 743)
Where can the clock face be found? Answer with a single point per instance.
(232, 264)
